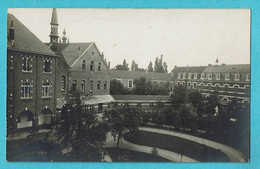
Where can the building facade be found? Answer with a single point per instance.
(227, 81)
(31, 78)
(127, 77)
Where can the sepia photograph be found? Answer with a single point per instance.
(128, 85)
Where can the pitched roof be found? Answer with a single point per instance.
(238, 68)
(70, 51)
(138, 74)
(192, 69)
(24, 39)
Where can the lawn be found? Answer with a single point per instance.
(185, 147)
(122, 155)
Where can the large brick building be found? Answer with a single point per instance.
(85, 68)
(31, 78)
(228, 81)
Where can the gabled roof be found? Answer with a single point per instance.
(238, 68)
(24, 39)
(137, 74)
(189, 69)
(74, 50)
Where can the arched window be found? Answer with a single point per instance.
(99, 66)
(83, 65)
(225, 87)
(92, 66)
(63, 83)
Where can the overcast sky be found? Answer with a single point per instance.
(184, 36)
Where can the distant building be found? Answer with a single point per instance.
(127, 77)
(31, 78)
(228, 81)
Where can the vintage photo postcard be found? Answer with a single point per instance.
(128, 85)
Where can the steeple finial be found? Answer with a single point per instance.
(64, 37)
(217, 61)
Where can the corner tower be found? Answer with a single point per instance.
(54, 27)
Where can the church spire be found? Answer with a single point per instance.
(54, 27)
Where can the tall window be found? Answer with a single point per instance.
(209, 86)
(217, 87)
(130, 84)
(92, 65)
(202, 76)
(195, 75)
(236, 89)
(227, 75)
(248, 77)
(11, 62)
(209, 76)
(63, 83)
(225, 87)
(99, 67)
(47, 66)
(91, 85)
(27, 64)
(189, 76)
(105, 86)
(98, 85)
(195, 85)
(237, 77)
(83, 85)
(83, 65)
(188, 85)
(247, 90)
(46, 89)
(218, 76)
(26, 90)
(74, 84)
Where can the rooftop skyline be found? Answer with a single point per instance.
(184, 36)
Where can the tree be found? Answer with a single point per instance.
(212, 102)
(233, 108)
(124, 66)
(134, 66)
(156, 62)
(165, 67)
(122, 120)
(116, 87)
(197, 101)
(74, 135)
(140, 86)
(178, 96)
(150, 67)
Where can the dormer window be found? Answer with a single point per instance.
(83, 68)
(195, 75)
(99, 66)
(227, 76)
(179, 75)
(202, 76)
(209, 76)
(92, 66)
(248, 77)
(189, 76)
(218, 76)
(237, 77)
(184, 75)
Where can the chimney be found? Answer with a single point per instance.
(11, 32)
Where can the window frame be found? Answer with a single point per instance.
(45, 61)
(29, 87)
(83, 85)
(63, 83)
(46, 89)
(130, 80)
(227, 76)
(237, 77)
(218, 76)
(98, 85)
(27, 64)
(83, 65)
